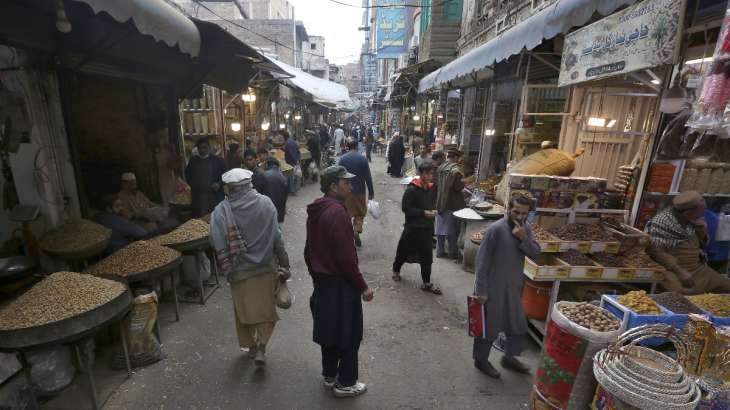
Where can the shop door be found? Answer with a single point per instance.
(607, 148)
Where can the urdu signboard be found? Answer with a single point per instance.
(391, 28)
(645, 35)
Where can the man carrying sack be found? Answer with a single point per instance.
(245, 234)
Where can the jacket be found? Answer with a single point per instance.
(449, 185)
(275, 186)
(416, 199)
(357, 164)
(329, 250)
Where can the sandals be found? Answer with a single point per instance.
(431, 289)
(396, 277)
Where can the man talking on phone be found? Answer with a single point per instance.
(498, 285)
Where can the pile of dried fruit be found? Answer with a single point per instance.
(191, 230)
(582, 232)
(676, 303)
(137, 257)
(575, 258)
(718, 305)
(57, 297)
(74, 236)
(607, 259)
(590, 316)
(637, 258)
(640, 302)
(541, 234)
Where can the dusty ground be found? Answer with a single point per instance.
(416, 353)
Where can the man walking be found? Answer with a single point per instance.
(357, 202)
(449, 199)
(203, 174)
(332, 261)
(275, 187)
(498, 284)
(248, 245)
(292, 156)
(251, 163)
(339, 138)
(369, 141)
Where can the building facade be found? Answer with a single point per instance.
(213, 10)
(351, 75)
(268, 9)
(313, 60)
(282, 39)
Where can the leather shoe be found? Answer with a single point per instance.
(487, 369)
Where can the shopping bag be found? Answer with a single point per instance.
(723, 228)
(477, 317)
(283, 296)
(374, 209)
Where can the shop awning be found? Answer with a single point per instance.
(546, 24)
(155, 18)
(322, 91)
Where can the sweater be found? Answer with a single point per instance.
(329, 250)
(417, 199)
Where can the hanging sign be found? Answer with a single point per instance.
(645, 35)
(391, 28)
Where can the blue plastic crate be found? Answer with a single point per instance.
(630, 319)
(720, 320)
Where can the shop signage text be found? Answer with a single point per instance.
(391, 28)
(645, 35)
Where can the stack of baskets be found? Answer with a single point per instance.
(638, 377)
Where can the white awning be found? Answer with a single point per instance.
(546, 24)
(155, 18)
(322, 91)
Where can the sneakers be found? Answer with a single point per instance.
(487, 369)
(260, 356)
(356, 389)
(328, 383)
(511, 363)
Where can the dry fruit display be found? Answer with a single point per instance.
(676, 302)
(607, 259)
(77, 236)
(541, 234)
(590, 316)
(59, 296)
(640, 302)
(191, 230)
(718, 305)
(575, 258)
(137, 257)
(637, 258)
(583, 233)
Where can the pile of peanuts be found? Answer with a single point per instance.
(74, 236)
(191, 230)
(137, 257)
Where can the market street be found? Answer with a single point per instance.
(416, 352)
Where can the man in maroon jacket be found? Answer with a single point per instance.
(338, 284)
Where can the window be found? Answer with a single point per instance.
(313, 46)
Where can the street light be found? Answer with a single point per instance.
(265, 125)
(235, 126)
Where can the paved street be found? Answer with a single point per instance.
(415, 355)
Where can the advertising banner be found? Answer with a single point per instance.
(392, 28)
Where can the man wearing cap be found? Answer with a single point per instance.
(678, 236)
(135, 206)
(248, 245)
(331, 259)
(449, 199)
(357, 202)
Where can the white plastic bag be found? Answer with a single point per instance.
(283, 296)
(374, 209)
(723, 228)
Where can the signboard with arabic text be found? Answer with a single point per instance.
(645, 35)
(391, 28)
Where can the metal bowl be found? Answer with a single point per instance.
(69, 329)
(153, 273)
(16, 267)
(191, 246)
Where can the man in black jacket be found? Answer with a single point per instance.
(275, 186)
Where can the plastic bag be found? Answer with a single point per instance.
(51, 369)
(723, 228)
(374, 209)
(144, 348)
(704, 146)
(283, 296)
(183, 195)
(671, 141)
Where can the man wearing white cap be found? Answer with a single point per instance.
(245, 234)
(136, 206)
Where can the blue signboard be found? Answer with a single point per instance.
(392, 28)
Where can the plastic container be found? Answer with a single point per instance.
(536, 298)
(630, 319)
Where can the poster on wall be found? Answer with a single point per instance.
(392, 29)
(645, 35)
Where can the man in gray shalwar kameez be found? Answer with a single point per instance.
(498, 284)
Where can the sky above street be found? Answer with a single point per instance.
(336, 23)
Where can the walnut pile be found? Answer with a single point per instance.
(57, 297)
(590, 316)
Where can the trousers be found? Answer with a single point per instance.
(451, 241)
(254, 335)
(482, 347)
(341, 363)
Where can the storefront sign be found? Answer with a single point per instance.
(392, 30)
(642, 36)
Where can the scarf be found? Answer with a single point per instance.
(666, 231)
(245, 226)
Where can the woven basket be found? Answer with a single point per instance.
(642, 378)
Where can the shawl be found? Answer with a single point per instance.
(666, 231)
